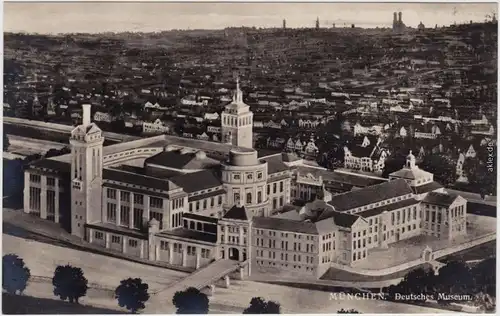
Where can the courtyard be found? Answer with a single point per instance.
(412, 248)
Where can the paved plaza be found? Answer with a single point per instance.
(43, 258)
(411, 249)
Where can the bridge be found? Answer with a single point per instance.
(204, 278)
(64, 129)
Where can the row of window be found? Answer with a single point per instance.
(124, 220)
(284, 245)
(36, 178)
(154, 202)
(205, 203)
(191, 250)
(133, 243)
(285, 235)
(269, 263)
(249, 176)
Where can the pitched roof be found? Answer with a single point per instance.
(369, 195)
(441, 199)
(411, 174)
(388, 207)
(179, 160)
(287, 225)
(238, 213)
(427, 187)
(275, 164)
(343, 219)
(197, 181)
(138, 179)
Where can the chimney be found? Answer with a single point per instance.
(400, 17)
(395, 16)
(86, 114)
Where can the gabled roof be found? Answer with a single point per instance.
(287, 225)
(440, 199)
(369, 195)
(138, 179)
(197, 181)
(343, 219)
(179, 160)
(411, 174)
(238, 213)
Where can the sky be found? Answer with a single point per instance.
(96, 17)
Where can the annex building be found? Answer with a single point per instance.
(188, 202)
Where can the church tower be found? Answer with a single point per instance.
(237, 122)
(86, 174)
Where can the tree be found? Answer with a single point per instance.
(6, 142)
(455, 278)
(260, 306)
(442, 167)
(393, 164)
(190, 301)
(348, 311)
(132, 294)
(69, 283)
(15, 274)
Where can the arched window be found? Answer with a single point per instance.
(259, 197)
(249, 198)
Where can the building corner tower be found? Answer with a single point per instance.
(237, 122)
(86, 143)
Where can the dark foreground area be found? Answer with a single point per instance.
(20, 304)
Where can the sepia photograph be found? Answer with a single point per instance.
(249, 157)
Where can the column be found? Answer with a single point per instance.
(104, 208)
(242, 273)
(56, 201)
(184, 255)
(141, 243)
(124, 244)
(211, 290)
(226, 232)
(146, 210)
(198, 250)
(167, 214)
(118, 207)
(240, 253)
(107, 239)
(157, 252)
(227, 283)
(170, 252)
(91, 235)
(43, 197)
(131, 212)
(27, 191)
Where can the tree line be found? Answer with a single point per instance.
(70, 284)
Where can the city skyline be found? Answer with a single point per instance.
(156, 16)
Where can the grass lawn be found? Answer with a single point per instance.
(478, 252)
(21, 304)
(341, 275)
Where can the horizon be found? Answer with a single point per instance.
(168, 16)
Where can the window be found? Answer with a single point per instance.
(124, 215)
(125, 196)
(249, 198)
(249, 176)
(163, 245)
(138, 198)
(212, 202)
(236, 176)
(220, 200)
(98, 235)
(205, 204)
(115, 239)
(236, 197)
(268, 189)
(259, 197)
(132, 243)
(274, 187)
(155, 202)
(111, 213)
(281, 186)
(197, 205)
(259, 175)
(51, 181)
(35, 178)
(111, 194)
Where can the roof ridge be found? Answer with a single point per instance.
(142, 175)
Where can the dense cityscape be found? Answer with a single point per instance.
(202, 156)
